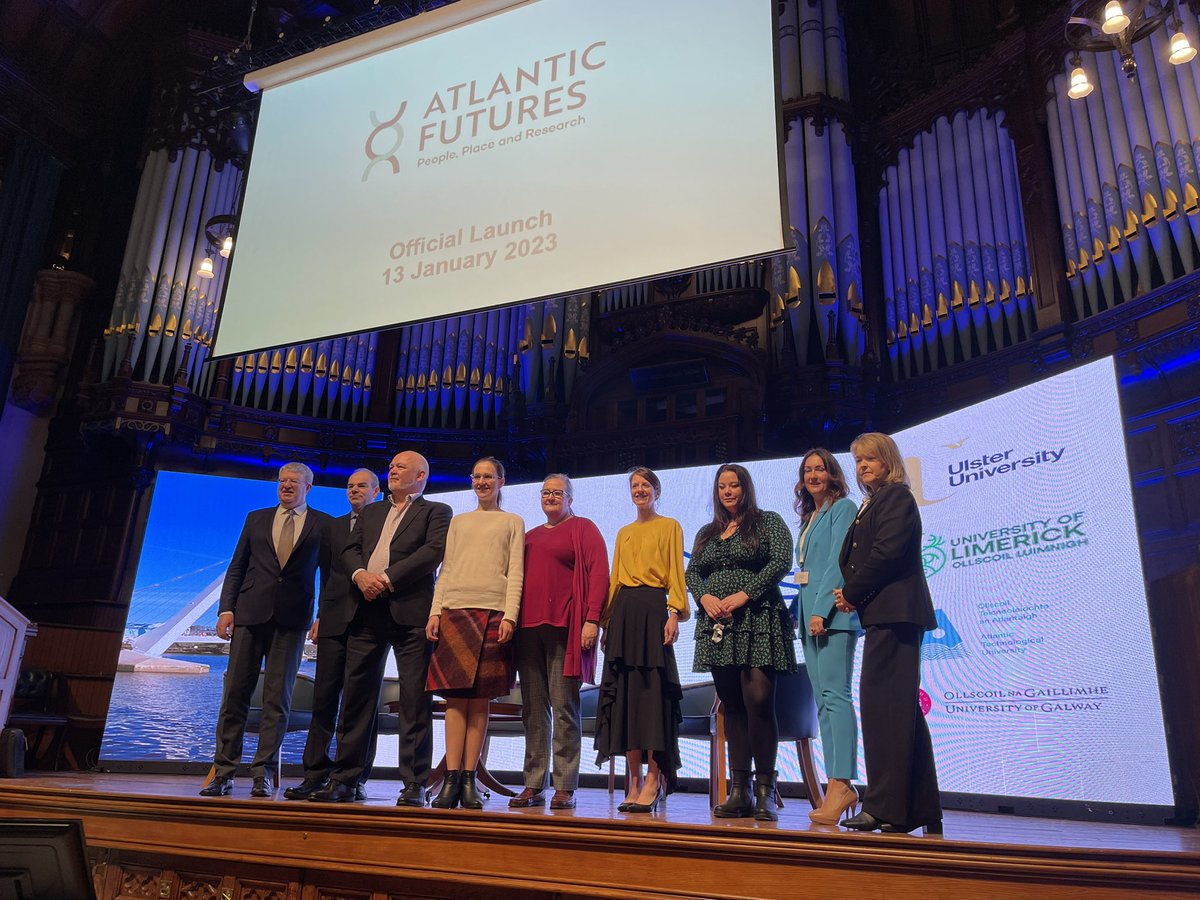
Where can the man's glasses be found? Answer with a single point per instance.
(549, 493)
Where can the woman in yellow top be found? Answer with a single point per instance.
(638, 710)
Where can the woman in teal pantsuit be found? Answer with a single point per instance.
(830, 636)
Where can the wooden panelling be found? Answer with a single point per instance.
(161, 830)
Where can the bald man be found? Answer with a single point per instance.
(392, 555)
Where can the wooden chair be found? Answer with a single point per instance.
(504, 717)
(796, 712)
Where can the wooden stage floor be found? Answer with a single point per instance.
(145, 831)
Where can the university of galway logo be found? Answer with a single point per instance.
(376, 156)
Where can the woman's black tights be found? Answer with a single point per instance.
(748, 695)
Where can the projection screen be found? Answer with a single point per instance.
(492, 152)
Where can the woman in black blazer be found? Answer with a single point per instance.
(885, 584)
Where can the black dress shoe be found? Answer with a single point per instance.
(218, 787)
(360, 792)
(930, 828)
(305, 789)
(262, 787)
(864, 821)
(412, 795)
(334, 792)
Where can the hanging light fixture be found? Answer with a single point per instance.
(1115, 20)
(206, 266)
(1182, 50)
(220, 231)
(1097, 26)
(1080, 86)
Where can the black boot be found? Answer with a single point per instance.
(470, 796)
(766, 798)
(451, 791)
(739, 804)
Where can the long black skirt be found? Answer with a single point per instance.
(638, 705)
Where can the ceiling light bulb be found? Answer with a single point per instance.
(206, 268)
(1181, 49)
(1115, 20)
(1080, 86)
(227, 246)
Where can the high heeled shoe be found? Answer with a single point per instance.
(844, 800)
(647, 807)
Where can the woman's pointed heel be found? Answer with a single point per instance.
(831, 812)
(646, 807)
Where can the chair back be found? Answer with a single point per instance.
(795, 706)
(696, 705)
(589, 698)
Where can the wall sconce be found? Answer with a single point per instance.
(1096, 26)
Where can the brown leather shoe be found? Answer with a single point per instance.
(528, 797)
(563, 800)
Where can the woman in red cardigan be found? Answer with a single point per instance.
(566, 584)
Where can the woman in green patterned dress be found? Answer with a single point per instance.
(743, 632)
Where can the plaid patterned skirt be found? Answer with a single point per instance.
(469, 660)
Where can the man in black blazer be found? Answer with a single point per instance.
(392, 556)
(265, 610)
(331, 632)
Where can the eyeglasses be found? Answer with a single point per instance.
(484, 477)
(549, 493)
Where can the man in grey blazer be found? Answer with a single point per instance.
(265, 611)
(392, 556)
(331, 632)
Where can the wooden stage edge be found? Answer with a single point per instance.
(143, 828)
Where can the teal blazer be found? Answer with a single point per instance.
(822, 547)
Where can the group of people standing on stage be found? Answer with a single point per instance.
(538, 604)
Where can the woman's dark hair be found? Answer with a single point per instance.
(748, 514)
(497, 465)
(804, 504)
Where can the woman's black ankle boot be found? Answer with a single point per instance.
(451, 791)
(766, 806)
(470, 795)
(739, 803)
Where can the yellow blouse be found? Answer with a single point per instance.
(650, 554)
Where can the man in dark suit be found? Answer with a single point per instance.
(331, 632)
(392, 555)
(265, 610)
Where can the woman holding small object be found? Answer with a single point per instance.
(743, 633)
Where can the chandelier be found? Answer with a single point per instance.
(1096, 26)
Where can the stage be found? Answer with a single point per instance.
(152, 836)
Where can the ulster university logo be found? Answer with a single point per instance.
(375, 139)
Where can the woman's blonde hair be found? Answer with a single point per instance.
(878, 444)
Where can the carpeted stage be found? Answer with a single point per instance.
(152, 836)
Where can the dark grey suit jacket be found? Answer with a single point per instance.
(339, 598)
(881, 561)
(256, 590)
(416, 551)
